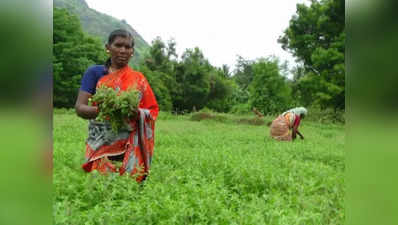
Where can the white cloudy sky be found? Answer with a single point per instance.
(222, 29)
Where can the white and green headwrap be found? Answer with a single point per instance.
(298, 111)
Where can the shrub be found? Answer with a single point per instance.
(241, 108)
(328, 115)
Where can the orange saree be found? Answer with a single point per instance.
(281, 126)
(135, 143)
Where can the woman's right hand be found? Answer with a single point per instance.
(83, 109)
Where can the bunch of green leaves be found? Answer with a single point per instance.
(115, 107)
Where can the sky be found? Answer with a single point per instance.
(222, 29)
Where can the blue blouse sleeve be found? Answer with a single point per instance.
(90, 79)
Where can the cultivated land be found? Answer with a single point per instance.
(206, 172)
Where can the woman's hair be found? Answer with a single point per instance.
(113, 35)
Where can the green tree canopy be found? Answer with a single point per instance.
(269, 91)
(316, 36)
(159, 68)
(73, 52)
(243, 74)
(192, 76)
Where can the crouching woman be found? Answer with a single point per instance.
(285, 126)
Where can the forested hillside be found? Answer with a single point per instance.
(187, 82)
(100, 24)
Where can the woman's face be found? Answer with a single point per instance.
(121, 50)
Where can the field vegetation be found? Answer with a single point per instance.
(208, 171)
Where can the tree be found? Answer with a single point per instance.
(155, 79)
(243, 75)
(316, 36)
(159, 68)
(269, 91)
(186, 84)
(192, 76)
(301, 93)
(221, 88)
(225, 71)
(73, 52)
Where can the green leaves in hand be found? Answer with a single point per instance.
(116, 107)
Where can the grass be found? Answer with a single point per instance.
(206, 172)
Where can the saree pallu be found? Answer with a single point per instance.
(280, 127)
(135, 142)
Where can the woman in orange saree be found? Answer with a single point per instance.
(135, 143)
(289, 120)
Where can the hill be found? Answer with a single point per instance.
(100, 24)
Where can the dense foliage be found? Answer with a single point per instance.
(73, 52)
(206, 172)
(101, 25)
(189, 82)
(115, 107)
(186, 84)
(269, 90)
(316, 36)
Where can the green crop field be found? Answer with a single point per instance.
(207, 172)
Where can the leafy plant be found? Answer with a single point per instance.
(207, 172)
(115, 106)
